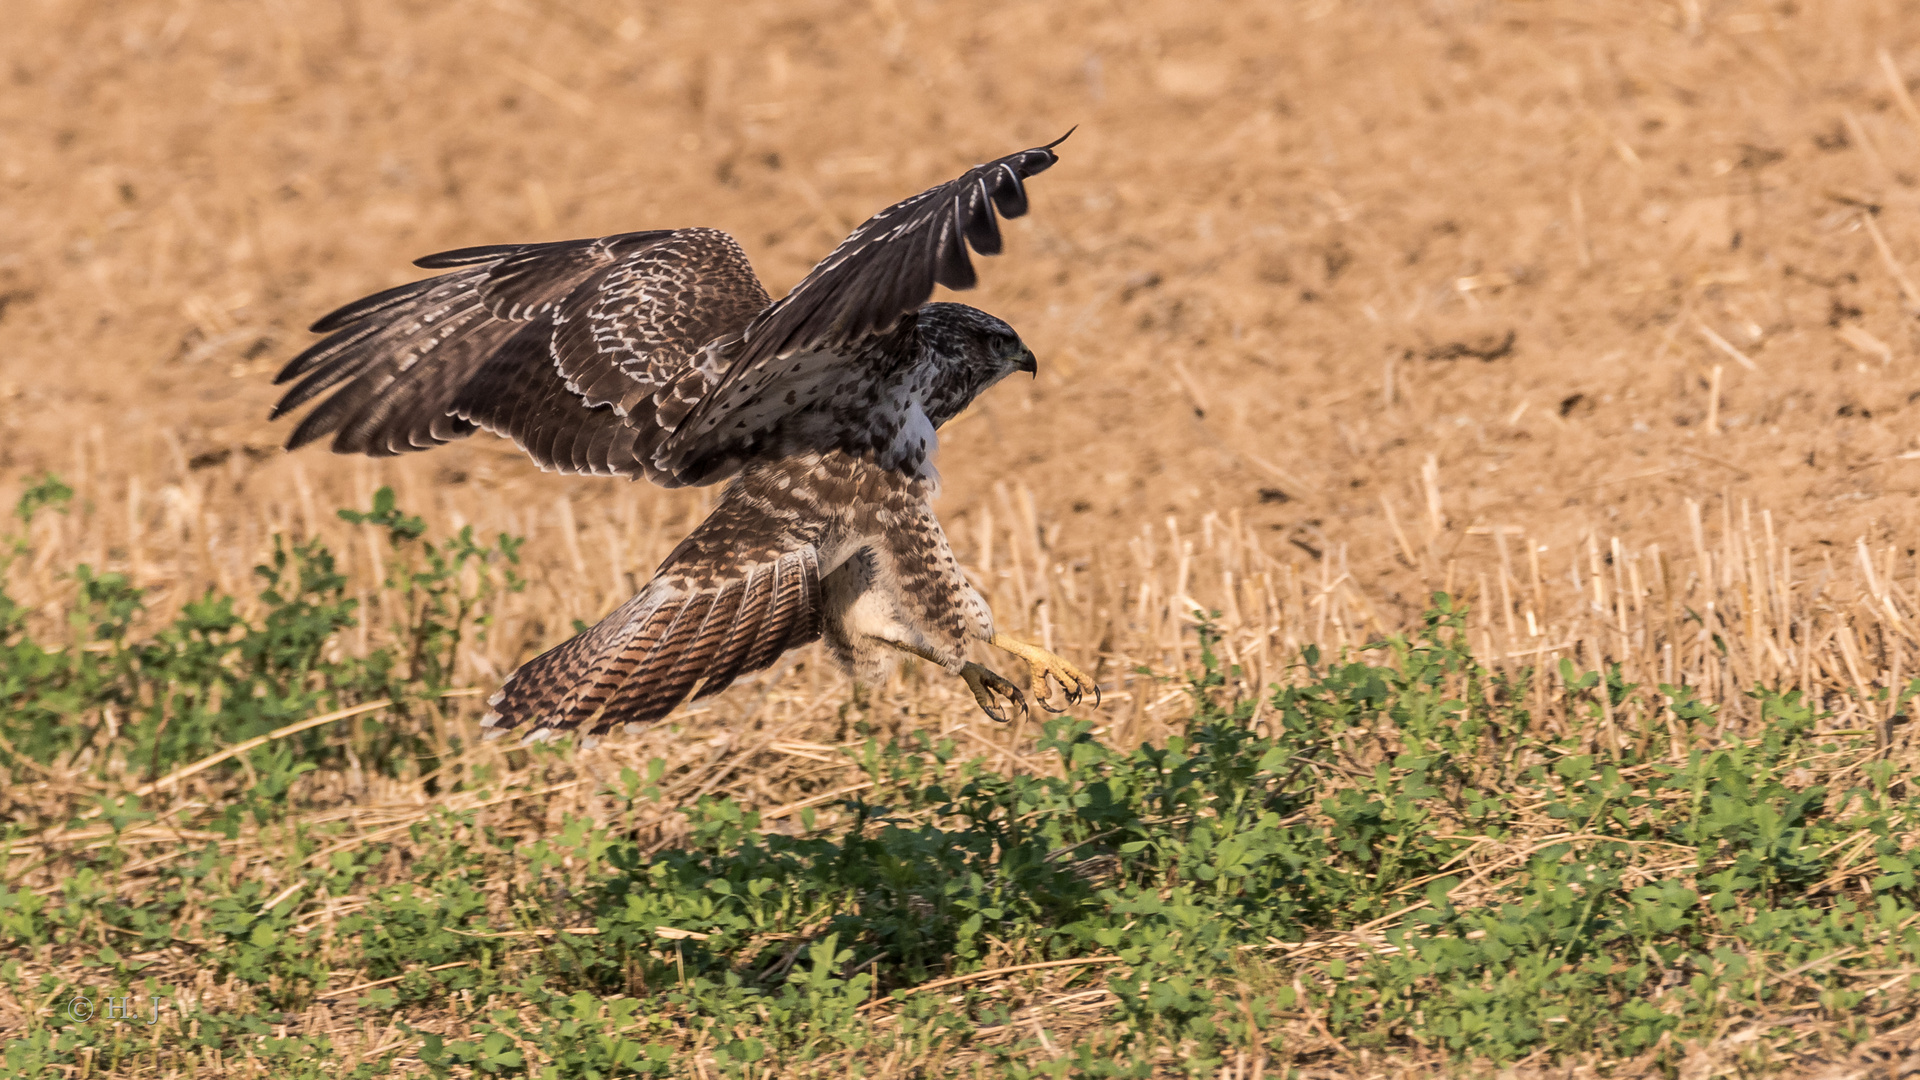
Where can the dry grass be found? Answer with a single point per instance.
(1602, 317)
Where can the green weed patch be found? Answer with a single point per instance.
(1386, 856)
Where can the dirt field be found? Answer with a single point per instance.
(1605, 316)
(1295, 255)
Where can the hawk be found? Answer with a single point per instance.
(660, 355)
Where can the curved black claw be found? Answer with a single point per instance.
(1073, 686)
(985, 683)
(1041, 692)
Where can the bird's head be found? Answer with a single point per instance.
(963, 351)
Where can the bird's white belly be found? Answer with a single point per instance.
(873, 616)
(869, 619)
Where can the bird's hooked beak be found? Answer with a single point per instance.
(1027, 363)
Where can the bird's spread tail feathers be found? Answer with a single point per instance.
(667, 643)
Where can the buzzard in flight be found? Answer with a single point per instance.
(660, 355)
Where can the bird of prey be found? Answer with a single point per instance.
(660, 355)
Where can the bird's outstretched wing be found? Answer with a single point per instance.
(655, 354)
(588, 353)
(882, 272)
(740, 590)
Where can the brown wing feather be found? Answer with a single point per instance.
(668, 675)
(884, 270)
(586, 352)
(740, 590)
(536, 689)
(793, 614)
(640, 662)
(515, 395)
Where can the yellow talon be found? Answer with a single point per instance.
(1041, 664)
(1074, 683)
(985, 683)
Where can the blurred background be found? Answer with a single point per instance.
(1601, 316)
